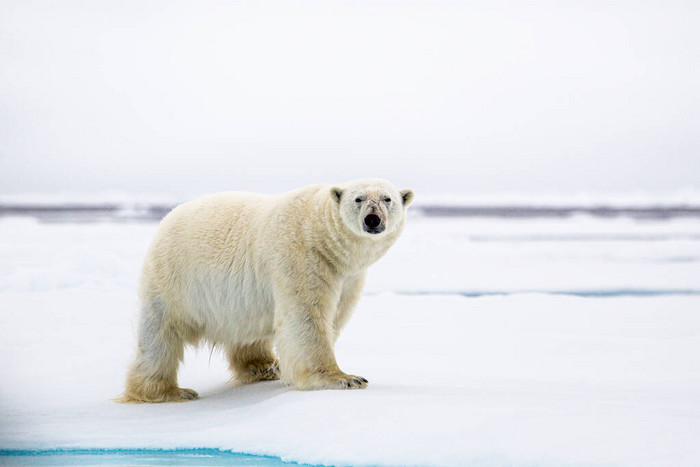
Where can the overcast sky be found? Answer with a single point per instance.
(467, 97)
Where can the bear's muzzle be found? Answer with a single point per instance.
(373, 224)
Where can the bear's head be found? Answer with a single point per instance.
(371, 208)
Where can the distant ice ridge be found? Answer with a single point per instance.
(130, 207)
(688, 196)
(89, 199)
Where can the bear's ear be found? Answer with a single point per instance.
(407, 196)
(336, 194)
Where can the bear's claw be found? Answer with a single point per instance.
(347, 382)
(257, 371)
(171, 395)
(358, 382)
(187, 394)
(265, 371)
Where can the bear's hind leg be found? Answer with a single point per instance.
(252, 362)
(152, 376)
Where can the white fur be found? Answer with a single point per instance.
(250, 271)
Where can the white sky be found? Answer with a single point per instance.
(467, 97)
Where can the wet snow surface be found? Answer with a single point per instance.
(486, 342)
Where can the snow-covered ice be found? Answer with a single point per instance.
(523, 377)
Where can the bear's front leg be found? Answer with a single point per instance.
(304, 335)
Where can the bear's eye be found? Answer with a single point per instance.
(358, 200)
(387, 200)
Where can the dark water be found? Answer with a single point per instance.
(607, 293)
(640, 212)
(155, 212)
(189, 457)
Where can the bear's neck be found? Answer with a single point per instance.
(347, 252)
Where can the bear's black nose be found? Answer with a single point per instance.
(372, 221)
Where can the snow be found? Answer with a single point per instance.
(526, 377)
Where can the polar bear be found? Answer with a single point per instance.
(250, 272)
